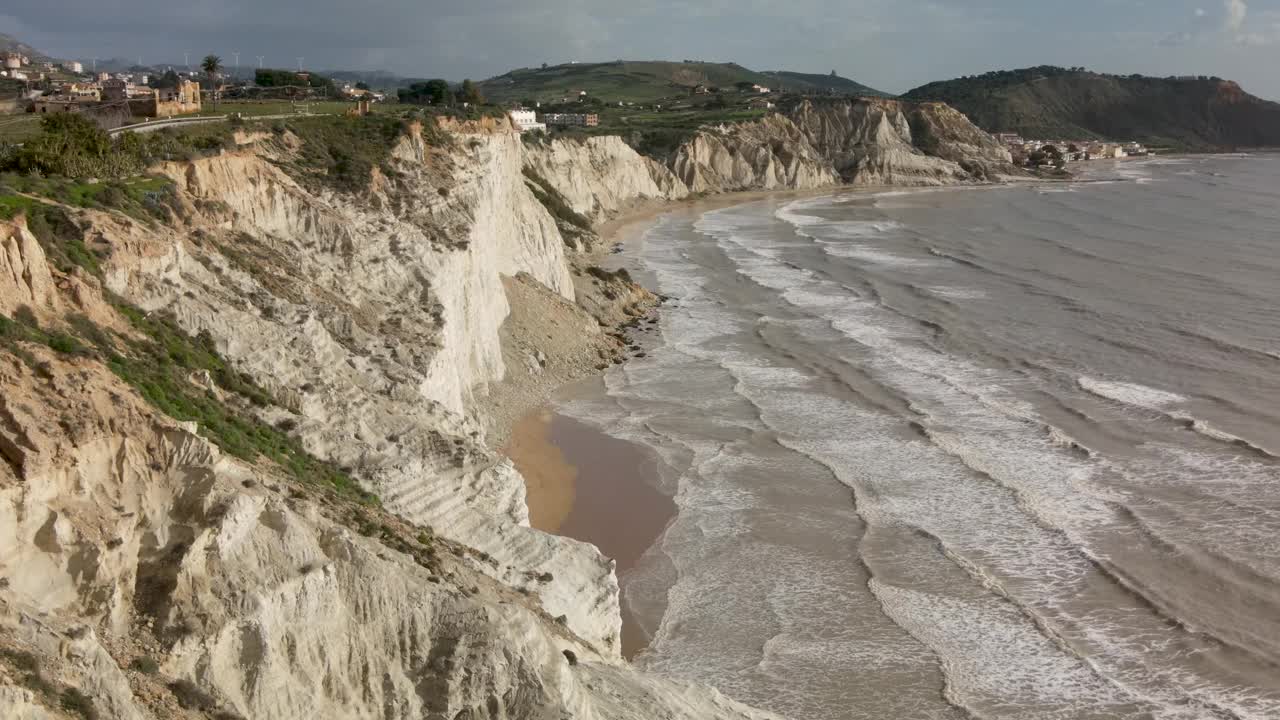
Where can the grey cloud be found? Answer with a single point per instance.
(894, 44)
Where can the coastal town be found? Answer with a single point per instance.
(1059, 153)
(142, 93)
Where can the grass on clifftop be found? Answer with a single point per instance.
(341, 152)
(72, 146)
(653, 133)
(165, 368)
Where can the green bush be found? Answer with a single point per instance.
(72, 146)
(341, 152)
(160, 367)
(145, 665)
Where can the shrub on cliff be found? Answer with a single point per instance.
(72, 146)
(341, 152)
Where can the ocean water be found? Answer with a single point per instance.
(1002, 452)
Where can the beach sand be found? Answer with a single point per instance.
(589, 486)
(548, 478)
(584, 484)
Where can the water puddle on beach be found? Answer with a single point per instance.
(587, 485)
(982, 453)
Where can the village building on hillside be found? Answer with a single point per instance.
(71, 97)
(183, 99)
(73, 67)
(526, 121)
(14, 61)
(117, 89)
(572, 119)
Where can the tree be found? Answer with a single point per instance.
(362, 85)
(744, 85)
(470, 93)
(431, 92)
(212, 65)
(169, 79)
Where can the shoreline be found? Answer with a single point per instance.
(569, 465)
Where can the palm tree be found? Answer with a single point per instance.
(212, 66)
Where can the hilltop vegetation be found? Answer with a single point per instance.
(648, 81)
(1191, 113)
(831, 82)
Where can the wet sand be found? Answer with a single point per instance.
(548, 477)
(586, 485)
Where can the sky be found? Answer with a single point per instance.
(892, 45)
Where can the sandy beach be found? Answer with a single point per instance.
(584, 484)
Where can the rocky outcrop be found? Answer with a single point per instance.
(865, 141)
(944, 132)
(600, 177)
(769, 154)
(24, 275)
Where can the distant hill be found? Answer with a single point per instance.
(1192, 113)
(832, 83)
(9, 43)
(644, 81)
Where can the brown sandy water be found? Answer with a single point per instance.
(590, 486)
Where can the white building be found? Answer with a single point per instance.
(526, 120)
(12, 61)
(74, 67)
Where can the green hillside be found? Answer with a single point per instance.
(1194, 113)
(644, 81)
(809, 82)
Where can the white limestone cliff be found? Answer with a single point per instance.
(158, 577)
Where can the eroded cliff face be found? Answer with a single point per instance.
(769, 154)
(151, 575)
(600, 177)
(146, 573)
(865, 141)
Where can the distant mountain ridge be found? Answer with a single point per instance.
(9, 43)
(649, 80)
(1186, 113)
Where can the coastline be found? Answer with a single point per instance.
(581, 482)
